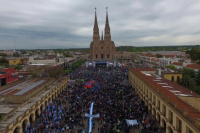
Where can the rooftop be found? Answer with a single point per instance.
(193, 66)
(22, 88)
(169, 90)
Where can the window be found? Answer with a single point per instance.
(154, 99)
(178, 78)
(101, 56)
(96, 56)
(107, 55)
(164, 110)
(179, 125)
(158, 105)
(190, 131)
(173, 78)
(170, 117)
(150, 97)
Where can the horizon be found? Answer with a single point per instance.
(69, 24)
(115, 47)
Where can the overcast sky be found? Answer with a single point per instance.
(40, 24)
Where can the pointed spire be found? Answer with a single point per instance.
(102, 36)
(95, 21)
(107, 36)
(107, 22)
(96, 29)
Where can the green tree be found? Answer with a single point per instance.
(171, 67)
(159, 55)
(188, 78)
(22, 61)
(3, 61)
(18, 67)
(198, 78)
(194, 53)
(68, 71)
(3, 54)
(198, 62)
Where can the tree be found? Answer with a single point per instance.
(3, 54)
(22, 61)
(18, 67)
(198, 62)
(188, 78)
(171, 67)
(68, 71)
(3, 61)
(198, 78)
(194, 53)
(188, 82)
(159, 55)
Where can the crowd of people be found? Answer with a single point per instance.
(114, 99)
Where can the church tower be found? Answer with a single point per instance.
(96, 38)
(107, 35)
(102, 49)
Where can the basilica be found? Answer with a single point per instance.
(103, 49)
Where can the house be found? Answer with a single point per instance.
(194, 67)
(14, 61)
(178, 65)
(8, 75)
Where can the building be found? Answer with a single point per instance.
(46, 60)
(8, 52)
(8, 75)
(104, 49)
(14, 61)
(18, 116)
(173, 76)
(174, 107)
(194, 67)
(168, 53)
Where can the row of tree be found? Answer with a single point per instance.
(194, 53)
(75, 65)
(3, 54)
(156, 48)
(190, 79)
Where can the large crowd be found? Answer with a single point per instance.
(115, 100)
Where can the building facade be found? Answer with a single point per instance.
(14, 61)
(173, 76)
(8, 75)
(16, 121)
(168, 102)
(104, 48)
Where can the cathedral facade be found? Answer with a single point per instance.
(104, 48)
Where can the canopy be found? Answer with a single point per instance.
(131, 122)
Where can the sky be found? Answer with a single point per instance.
(52, 24)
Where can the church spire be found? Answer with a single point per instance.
(96, 29)
(102, 36)
(95, 21)
(107, 36)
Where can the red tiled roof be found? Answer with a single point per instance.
(193, 66)
(177, 63)
(165, 93)
(169, 56)
(149, 55)
(158, 60)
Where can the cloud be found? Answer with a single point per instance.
(68, 24)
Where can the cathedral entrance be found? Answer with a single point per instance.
(100, 63)
(102, 56)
